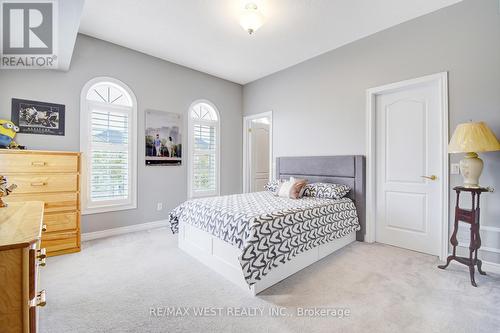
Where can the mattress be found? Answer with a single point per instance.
(269, 230)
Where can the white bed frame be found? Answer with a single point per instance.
(222, 257)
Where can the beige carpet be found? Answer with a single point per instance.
(113, 283)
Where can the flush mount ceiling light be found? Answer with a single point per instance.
(251, 18)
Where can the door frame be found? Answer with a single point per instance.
(246, 147)
(371, 94)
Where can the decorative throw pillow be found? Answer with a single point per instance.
(274, 185)
(326, 190)
(302, 190)
(292, 188)
(298, 189)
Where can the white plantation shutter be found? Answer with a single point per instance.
(109, 154)
(204, 159)
(204, 173)
(108, 143)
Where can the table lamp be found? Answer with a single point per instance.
(472, 138)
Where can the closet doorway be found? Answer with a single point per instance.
(257, 151)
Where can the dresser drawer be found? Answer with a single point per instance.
(54, 202)
(44, 183)
(60, 241)
(38, 163)
(61, 221)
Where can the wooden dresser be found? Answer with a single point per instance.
(54, 178)
(20, 257)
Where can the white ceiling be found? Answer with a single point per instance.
(205, 34)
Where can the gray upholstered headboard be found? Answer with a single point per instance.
(348, 170)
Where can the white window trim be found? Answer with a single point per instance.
(190, 120)
(130, 203)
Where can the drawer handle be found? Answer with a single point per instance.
(38, 184)
(44, 228)
(40, 298)
(42, 254)
(38, 163)
(42, 262)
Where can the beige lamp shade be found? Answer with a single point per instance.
(473, 137)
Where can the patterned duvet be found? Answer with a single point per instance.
(268, 230)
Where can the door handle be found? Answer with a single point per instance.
(432, 177)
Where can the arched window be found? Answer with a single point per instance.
(108, 141)
(204, 149)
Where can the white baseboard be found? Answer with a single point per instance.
(488, 266)
(482, 248)
(491, 267)
(124, 230)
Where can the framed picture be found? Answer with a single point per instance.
(163, 138)
(34, 117)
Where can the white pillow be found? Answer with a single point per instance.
(285, 188)
(292, 189)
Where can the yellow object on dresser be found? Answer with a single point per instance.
(20, 257)
(54, 178)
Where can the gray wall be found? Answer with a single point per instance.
(158, 85)
(319, 105)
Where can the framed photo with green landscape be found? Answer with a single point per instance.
(163, 138)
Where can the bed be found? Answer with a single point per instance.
(257, 239)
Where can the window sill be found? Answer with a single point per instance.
(204, 195)
(108, 209)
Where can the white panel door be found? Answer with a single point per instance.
(408, 168)
(259, 167)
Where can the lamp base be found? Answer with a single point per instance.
(470, 168)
